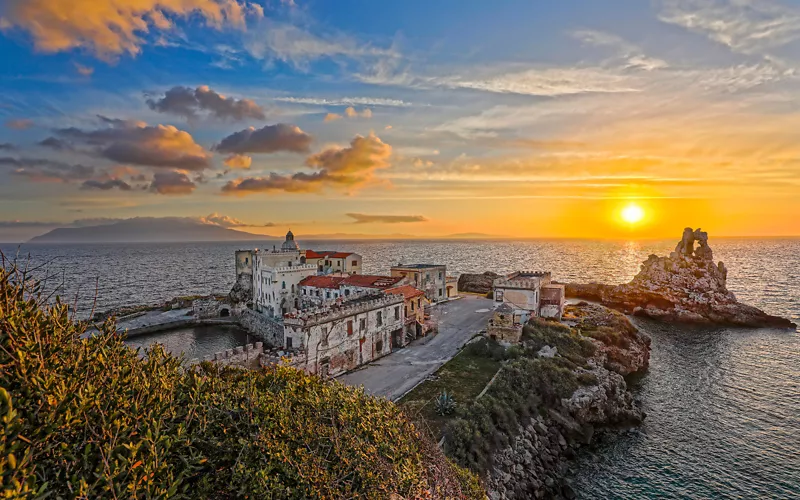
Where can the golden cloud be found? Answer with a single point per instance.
(349, 167)
(238, 161)
(109, 28)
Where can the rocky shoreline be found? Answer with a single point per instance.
(684, 287)
(538, 457)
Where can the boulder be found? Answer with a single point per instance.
(477, 283)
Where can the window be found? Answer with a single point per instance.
(328, 294)
(440, 292)
(362, 324)
(324, 336)
(349, 327)
(304, 291)
(290, 263)
(379, 346)
(288, 342)
(246, 261)
(355, 263)
(419, 302)
(379, 318)
(412, 306)
(347, 292)
(440, 275)
(338, 262)
(317, 292)
(397, 312)
(283, 285)
(293, 288)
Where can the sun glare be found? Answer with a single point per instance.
(632, 213)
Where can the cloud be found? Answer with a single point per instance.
(183, 101)
(748, 27)
(23, 224)
(338, 167)
(238, 161)
(84, 70)
(346, 101)
(545, 82)
(43, 170)
(294, 45)
(216, 219)
(19, 124)
(106, 185)
(385, 219)
(364, 156)
(349, 112)
(7, 146)
(172, 182)
(268, 139)
(109, 28)
(132, 142)
(632, 54)
(55, 143)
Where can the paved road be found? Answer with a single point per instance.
(394, 375)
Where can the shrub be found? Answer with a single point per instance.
(539, 333)
(91, 418)
(445, 404)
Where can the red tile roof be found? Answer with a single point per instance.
(407, 291)
(322, 281)
(367, 281)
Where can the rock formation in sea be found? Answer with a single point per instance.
(537, 458)
(685, 287)
(477, 283)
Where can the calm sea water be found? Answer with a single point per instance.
(723, 404)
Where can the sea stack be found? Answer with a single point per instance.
(684, 287)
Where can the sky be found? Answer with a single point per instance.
(421, 118)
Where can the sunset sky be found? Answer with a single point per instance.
(423, 118)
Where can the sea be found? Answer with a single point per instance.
(722, 404)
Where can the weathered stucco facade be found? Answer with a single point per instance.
(334, 339)
(430, 278)
(505, 326)
(414, 302)
(332, 262)
(521, 290)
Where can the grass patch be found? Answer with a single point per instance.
(464, 377)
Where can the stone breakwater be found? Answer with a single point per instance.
(684, 287)
(538, 457)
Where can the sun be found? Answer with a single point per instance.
(632, 213)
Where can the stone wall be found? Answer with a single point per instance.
(268, 330)
(246, 356)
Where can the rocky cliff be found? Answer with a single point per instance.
(686, 286)
(535, 461)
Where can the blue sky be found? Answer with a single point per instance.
(508, 117)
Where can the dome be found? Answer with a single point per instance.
(290, 244)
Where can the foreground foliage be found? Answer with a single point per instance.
(91, 418)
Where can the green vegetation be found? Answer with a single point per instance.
(445, 404)
(526, 386)
(90, 418)
(463, 377)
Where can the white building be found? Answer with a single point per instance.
(430, 278)
(330, 262)
(531, 293)
(276, 276)
(333, 339)
(521, 289)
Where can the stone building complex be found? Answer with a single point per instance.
(323, 314)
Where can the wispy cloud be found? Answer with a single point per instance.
(385, 219)
(347, 101)
(746, 26)
(632, 55)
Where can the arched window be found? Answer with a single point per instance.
(292, 288)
